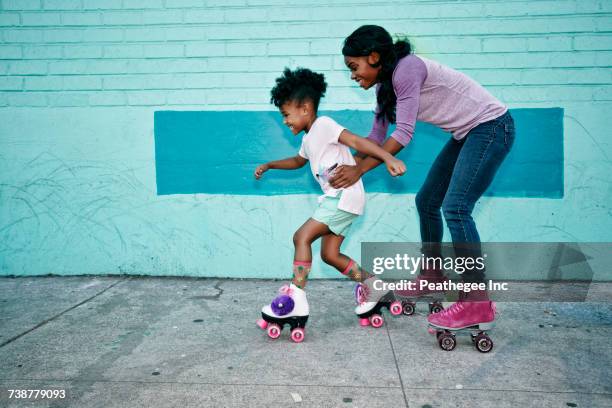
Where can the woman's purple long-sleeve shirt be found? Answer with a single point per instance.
(431, 92)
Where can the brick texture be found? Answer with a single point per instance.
(131, 51)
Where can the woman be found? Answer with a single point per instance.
(411, 88)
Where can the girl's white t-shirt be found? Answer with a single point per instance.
(322, 148)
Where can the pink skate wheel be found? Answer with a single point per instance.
(297, 335)
(364, 322)
(262, 324)
(376, 321)
(274, 331)
(396, 308)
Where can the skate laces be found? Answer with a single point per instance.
(453, 309)
(362, 293)
(286, 290)
(460, 306)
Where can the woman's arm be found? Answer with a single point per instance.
(290, 163)
(408, 79)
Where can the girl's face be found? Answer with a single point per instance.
(362, 70)
(297, 116)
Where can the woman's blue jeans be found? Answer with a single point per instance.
(458, 177)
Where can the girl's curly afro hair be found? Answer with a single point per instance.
(298, 85)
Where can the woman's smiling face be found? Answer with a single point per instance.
(362, 70)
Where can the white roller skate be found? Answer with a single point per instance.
(289, 307)
(370, 302)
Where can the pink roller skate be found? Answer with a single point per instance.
(289, 307)
(370, 302)
(466, 316)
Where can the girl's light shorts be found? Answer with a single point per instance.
(338, 221)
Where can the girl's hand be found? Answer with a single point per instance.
(395, 167)
(260, 170)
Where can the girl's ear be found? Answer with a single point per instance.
(373, 58)
(306, 107)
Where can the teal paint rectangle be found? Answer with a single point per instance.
(216, 152)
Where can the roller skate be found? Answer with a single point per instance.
(371, 301)
(464, 317)
(289, 307)
(409, 298)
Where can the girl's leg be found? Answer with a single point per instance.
(302, 240)
(330, 254)
(366, 293)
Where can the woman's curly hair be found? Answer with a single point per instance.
(298, 85)
(372, 38)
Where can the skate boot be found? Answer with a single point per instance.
(289, 307)
(467, 316)
(408, 298)
(370, 302)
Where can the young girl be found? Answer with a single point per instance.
(325, 145)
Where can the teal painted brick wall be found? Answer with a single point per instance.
(80, 80)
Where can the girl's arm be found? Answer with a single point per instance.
(346, 176)
(394, 166)
(290, 163)
(368, 163)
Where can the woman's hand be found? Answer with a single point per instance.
(395, 167)
(345, 176)
(260, 170)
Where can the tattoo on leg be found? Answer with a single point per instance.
(357, 274)
(300, 274)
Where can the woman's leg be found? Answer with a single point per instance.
(428, 203)
(302, 240)
(330, 254)
(431, 195)
(485, 148)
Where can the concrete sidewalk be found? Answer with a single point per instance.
(172, 342)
